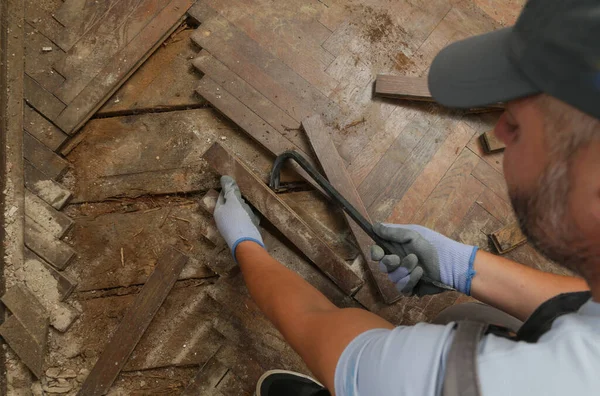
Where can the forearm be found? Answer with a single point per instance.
(515, 288)
(316, 329)
(278, 291)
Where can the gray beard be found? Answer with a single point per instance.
(544, 218)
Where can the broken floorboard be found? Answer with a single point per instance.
(508, 238)
(333, 166)
(284, 218)
(135, 323)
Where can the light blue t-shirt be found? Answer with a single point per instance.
(411, 360)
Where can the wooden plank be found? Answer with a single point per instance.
(257, 128)
(53, 221)
(40, 54)
(402, 87)
(254, 100)
(493, 179)
(26, 308)
(50, 290)
(282, 217)
(252, 124)
(42, 100)
(53, 250)
(335, 171)
(508, 238)
(135, 323)
(496, 206)
(78, 17)
(38, 14)
(44, 159)
(410, 88)
(266, 73)
(491, 143)
(23, 344)
(208, 203)
(42, 129)
(121, 24)
(64, 285)
(494, 159)
(122, 65)
(45, 188)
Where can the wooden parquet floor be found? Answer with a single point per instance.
(136, 171)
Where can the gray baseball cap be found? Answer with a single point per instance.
(553, 48)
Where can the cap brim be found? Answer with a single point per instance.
(478, 72)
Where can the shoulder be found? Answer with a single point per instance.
(563, 361)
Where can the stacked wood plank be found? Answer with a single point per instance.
(94, 47)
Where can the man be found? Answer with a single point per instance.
(547, 71)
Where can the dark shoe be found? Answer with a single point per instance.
(288, 383)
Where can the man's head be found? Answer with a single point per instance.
(552, 168)
(546, 69)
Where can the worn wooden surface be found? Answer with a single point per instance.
(44, 187)
(42, 129)
(26, 331)
(284, 218)
(45, 245)
(54, 222)
(403, 87)
(134, 323)
(42, 158)
(333, 166)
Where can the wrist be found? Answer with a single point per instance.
(245, 245)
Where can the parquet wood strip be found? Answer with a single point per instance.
(289, 44)
(54, 222)
(42, 129)
(114, 74)
(26, 329)
(37, 13)
(449, 202)
(367, 158)
(266, 73)
(383, 200)
(508, 238)
(252, 124)
(474, 227)
(250, 97)
(64, 285)
(495, 160)
(41, 100)
(44, 187)
(496, 206)
(282, 217)
(491, 143)
(433, 172)
(95, 50)
(79, 17)
(493, 179)
(42, 158)
(40, 54)
(402, 87)
(53, 250)
(135, 323)
(336, 173)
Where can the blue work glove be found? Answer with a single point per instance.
(428, 253)
(235, 220)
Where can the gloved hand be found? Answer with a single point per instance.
(235, 220)
(421, 251)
